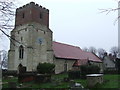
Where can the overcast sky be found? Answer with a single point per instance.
(80, 23)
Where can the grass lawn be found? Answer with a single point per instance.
(111, 81)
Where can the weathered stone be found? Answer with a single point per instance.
(33, 35)
(93, 79)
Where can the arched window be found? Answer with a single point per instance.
(21, 52)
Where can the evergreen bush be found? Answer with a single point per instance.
(45, 68)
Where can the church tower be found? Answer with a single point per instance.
(31, 41)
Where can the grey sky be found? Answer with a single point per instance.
(80, 23)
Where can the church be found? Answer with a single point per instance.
(32, 43)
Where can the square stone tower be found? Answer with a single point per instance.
(31, 41)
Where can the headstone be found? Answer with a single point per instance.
(40, 78)
(76, 86)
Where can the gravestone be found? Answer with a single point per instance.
(76, 86)
(42, 78)
(93, 79)
(26, 77)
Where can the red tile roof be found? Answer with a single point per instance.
(72, 52)
(92, 57)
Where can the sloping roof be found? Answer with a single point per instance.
(92, 57)
(72, 52)
(80, 62)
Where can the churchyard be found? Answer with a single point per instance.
(110, 81)
(67, 80)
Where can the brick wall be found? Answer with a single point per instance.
(32, 13)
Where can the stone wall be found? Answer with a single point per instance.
(108, 63)
(93, 79)
(60, 65)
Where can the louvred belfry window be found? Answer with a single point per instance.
(41, 15)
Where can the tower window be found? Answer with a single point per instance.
(41, 15)
(21, 39)
(23, 15)
(21, 52)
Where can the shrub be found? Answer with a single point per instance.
(118, 65)
(108, 71)
(89, 69)
(45, 68)
(9, 73)
(74, 74)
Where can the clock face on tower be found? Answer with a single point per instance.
(40, 40)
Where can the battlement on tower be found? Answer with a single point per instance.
(32, 4)
(32, 12)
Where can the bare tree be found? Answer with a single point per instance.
(6, 24)
(85, 49)
(3, 58)
(114, 51)
(108, 10)
(92, 50)
(7, 13)
(101, 52)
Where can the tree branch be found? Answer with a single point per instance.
(109, 10)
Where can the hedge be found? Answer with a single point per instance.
(74, 74)
(111, 71)
(89, 69)
(9, 73)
